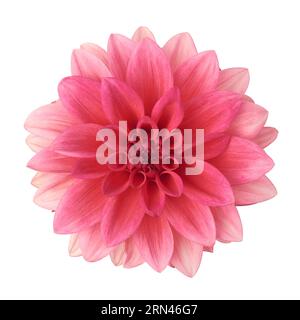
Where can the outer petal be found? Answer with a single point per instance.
(213, 113)
(180, 48)
(50, 120)
(120, 49)
(82, 98)
(243, 161)
(149, 73)
(37, 143)
(209, 188)
(96, 51)
(249, 121)
(266, 136)
(118, 254)
(228, 224)
(142, 33)
(120, 102)
(191, 219)
(50, 161)
(124, 215)
(81, 207)
(216, 146)
(92, 244)
(51, 192)
(198, 75)
(234, 79)
(168, 111)
(74, 249)
(78, 141)
(133, 256)
(254, 192)
(154, 240)
(86, 64)
(187, 255)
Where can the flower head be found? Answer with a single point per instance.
(145, 212)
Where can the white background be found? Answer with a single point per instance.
(37, 38)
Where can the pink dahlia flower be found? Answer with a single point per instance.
(149, 213)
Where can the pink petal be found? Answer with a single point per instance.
(120, 102)
(50, 120)
(168, 111)
(243, 161)
(81, 207)
(266, 136)
(213, 113)
(249, 121)
(124, 214)
(78, 141)
(96, 51)
(118, 255)
(74, 248)
(82, 98)
(254, 192)
(37, 143)
(86, 64)
(142, 33)
(228, 224)
(234, 79)
(210, 187)
(180, 48)
(89, 169)
(154, 198)
(92, 245)
(115, 183)
(51, 192)
(187, 255)
(154, 240)
(120, 49)
(216, 146)
(149, 73)
(50, 161)
(191, 219)
(170, 183)
(198, 75)
(133, 257)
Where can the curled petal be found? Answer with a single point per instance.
(154, 198)
(228, 224)
(180, 48)
(154, 240)
(234, 79)
(254, 191)
(170, 183)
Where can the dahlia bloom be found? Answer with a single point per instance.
(145, 213)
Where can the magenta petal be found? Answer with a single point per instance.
(154, 198)
(124, 214)
(149, 73)
(78, 141)
(86, 64)
(82, 98)
(81, 207)
(210, 187)
(191, 219)
(120, 102)
(154, 240)
(243, 161)
(50, 120)
(266, 136)
(120, 49)
(234, 79)
(213, 112)
(170, 183)
(198, 75)
(254, 192)
(142, 33)
(249, 121)
(168, 111)
(115, 183)
(228, 224)
(50, 161)
(187, 255)
(92, 245)
(180, 48)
